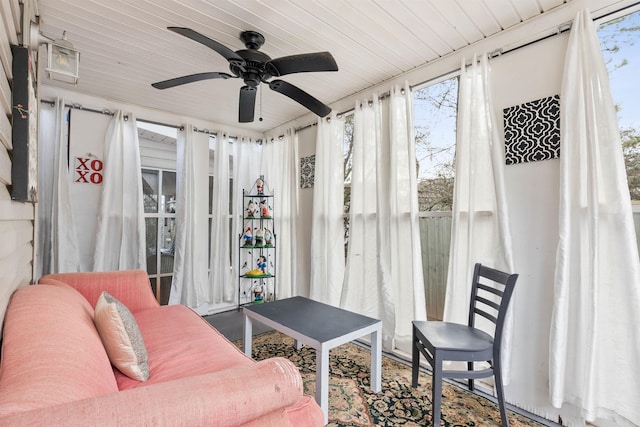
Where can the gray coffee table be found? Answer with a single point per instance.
(321, 327)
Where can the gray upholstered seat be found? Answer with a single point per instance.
(443, 341)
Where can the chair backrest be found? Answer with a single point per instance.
(491, 293)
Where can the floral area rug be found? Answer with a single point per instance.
(352, 403)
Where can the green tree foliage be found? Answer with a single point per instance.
(631, 151)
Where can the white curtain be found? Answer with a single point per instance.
(595, 334)
(57, 241)
(327, 228)
(280, 169)
(247, 156)
(220, 279)
(190, 284)
(404, 231)
(383, 277)
(120, 234)
(480, 230)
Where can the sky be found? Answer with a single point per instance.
(625, 86)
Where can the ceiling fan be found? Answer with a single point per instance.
(255, 67)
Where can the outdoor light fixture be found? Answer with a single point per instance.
(63, 61)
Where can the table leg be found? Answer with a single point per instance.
(322, 382)
(248, 334)
(376, 361)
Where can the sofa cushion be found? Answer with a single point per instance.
(180, 343)
(121, 337)
(132, 287)
(51, 351)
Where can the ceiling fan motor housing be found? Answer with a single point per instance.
(253, 71)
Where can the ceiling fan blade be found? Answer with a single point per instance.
(300, 96)
(247, 104)
(304, 63)
(165, 84)
(228, 54)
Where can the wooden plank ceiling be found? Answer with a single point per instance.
(125, 45)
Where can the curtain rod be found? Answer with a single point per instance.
(341, 113)
(80, 107)
(560, 29)
(126, 117)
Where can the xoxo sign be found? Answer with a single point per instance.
(88, 170)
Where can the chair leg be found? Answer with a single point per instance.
(415, 361)
(436, 389)
(470, 368)
(497, 374)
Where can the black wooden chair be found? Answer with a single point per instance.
(443, 341)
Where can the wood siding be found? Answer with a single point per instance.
(16, 219)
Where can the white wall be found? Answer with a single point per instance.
(532, 190)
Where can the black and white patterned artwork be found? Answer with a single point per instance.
(532, 131)
(307, 171)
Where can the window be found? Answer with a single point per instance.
(620, 42)
(435, 108)
(212, 153)
(347, 165)
(159, 189)
(158, 159)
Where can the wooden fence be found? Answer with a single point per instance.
(435, 240)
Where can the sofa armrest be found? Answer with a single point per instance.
(232, 397)
(132, 287)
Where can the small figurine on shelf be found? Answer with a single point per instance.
(268, 238)
(260, 185)
(264, 209)
(259, 235)
(251, 209)
(248, 238)
(258, 294)
(262, 264)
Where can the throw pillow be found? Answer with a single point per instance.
(121, 337)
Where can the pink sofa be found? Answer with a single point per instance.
(54, 369)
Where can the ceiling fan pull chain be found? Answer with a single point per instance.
(260, 89)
